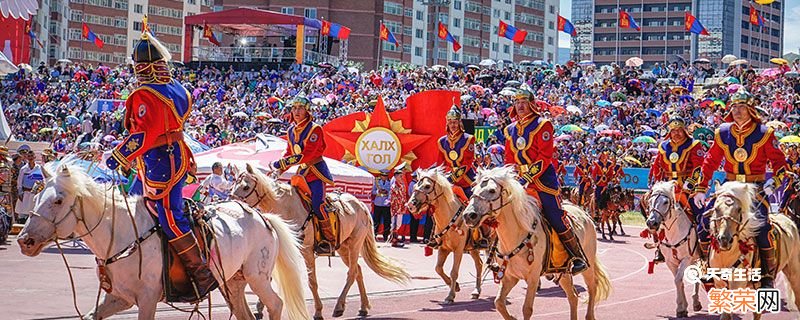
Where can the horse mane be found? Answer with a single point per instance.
(746, 194)
(664, 187)
(525, 210)
(438, 176)
(95, 194)
(266, 185)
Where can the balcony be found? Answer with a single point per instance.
(258, 54)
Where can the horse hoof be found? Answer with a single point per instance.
(259, 316)
(362, 313)
(338, 313)
(318, 318)
(476, 296)
(449, 301)
(458, 287)
(683, 314)
(697, 307)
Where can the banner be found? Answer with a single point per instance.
(482, 133)
(636, 178)
(106, 105)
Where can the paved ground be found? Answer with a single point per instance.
(38, 288)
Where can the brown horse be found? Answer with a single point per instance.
(614, 201)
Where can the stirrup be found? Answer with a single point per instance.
(321, 250)
(577, 265)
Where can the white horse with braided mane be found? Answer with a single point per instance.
(679, 246)
(268, 194)
(434, 190)
(262, 247)
(522, 241)
(734, 225)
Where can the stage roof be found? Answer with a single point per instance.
(244, 19)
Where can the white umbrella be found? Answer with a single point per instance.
(574, 109)
(352, 70)
(466, 97)
(487, 63)
(438, 67)
(18, 8)
(508, 92)
(728, 58)
(472, 66)
(66, 61)
(25, 66)
(319, 101)
(240, 114)
(738, 62)
(600, 127)
(617, 103)
(6, 66)
(634, 62)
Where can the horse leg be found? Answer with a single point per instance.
(352, 272)
(607, 218)
(260, 284)
(237, 299)
(618, 221)
(530, 294)
(308, 255)
(572, 295)
(696, 305)
(680, 300)
(109, 306)
(147, 305)
(591, 288)
(475, 254)
(506, 284)
(440, 258)
(457, 255)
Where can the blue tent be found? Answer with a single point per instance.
(100, 174)
(194, 145)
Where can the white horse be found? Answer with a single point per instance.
(261, 191)
(734, 225)
(250, 249)
(434, 190)
(680, 246)
(522, 241)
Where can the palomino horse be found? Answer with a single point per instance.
(434, 190)
(679, 246)
(522, 241)
(734, 225)
(250, 244)
(261, 191)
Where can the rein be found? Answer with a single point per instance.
(429, 201)
(259, 197)
(663, 216)
(492, 212)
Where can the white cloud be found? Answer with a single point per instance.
(565, 11)
(791, 21)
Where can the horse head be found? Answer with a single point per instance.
(733, 213)
(431, 185)
(660, 204)
(250, 186)
(56, 209)
(497, 191)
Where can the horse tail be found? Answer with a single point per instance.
(289, 269)
(384, 266)
(603, 282)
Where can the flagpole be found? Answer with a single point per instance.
(617, 42)
(666, 32)
(380, 46)
(641, 33)
(83, 20)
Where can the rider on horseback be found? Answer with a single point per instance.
(305, 148)
(583, 175)
(154, 116)
(747, 146)
(605, 172)
(457, 154)
(677, 158)
(529, 146)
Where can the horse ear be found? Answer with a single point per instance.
(64, 171)
(250, 169)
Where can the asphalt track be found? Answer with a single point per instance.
(39, 288)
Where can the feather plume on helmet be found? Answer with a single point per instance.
(151, 60)
(742, 96)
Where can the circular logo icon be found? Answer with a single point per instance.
(453, 155)
(378, 149)
(297, 149)
(521, 143)
(740, 154)
(673, 157)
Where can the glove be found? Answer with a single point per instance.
(275, 165)
(700, 199)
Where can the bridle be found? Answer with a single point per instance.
(738, 222)
(493, 211)
(435, 190)
(254, 190)
(55, 223)
(663, 215)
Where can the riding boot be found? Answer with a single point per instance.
(194, 262)
(325, 245)
(577, 258)
(659, 256)
(769, 267)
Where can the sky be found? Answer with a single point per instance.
(791, 20)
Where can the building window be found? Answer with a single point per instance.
(455, 56)
(393, 8)
(419, 15)
(494, 46)
(310, 13)
(550, 25)
(553, 9)
(457, 5)
(137, 8)
(418, 33)
(408, 12)
(496, 13)
(418, 51)
(456, 23)
(507, 15)
(550, 40)
(287, 10)
(506, 48)
(443, 18)
(137, 26)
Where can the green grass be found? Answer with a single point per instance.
(633, 218)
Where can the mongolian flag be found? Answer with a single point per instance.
(89, 35)
(33, 36)
(755, 19)
(566, 26)
(335, 30)
(511, 33)
(626, 21)
(386, 35)
(208, 34)
(693, 25)
(444, 34)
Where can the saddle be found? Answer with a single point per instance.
(300, 186)
(557, 257)
(178, 286)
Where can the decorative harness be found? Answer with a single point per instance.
(429, 201)
(744, 247)
(663, 217)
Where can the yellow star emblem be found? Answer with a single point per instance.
(132, 145)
